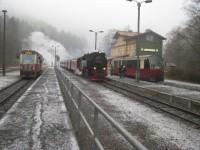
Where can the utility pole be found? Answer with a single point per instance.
(95, 41)
(4, 43)
(55, 57)
(138, 45)
(138, 37)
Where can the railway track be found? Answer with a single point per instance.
(10, 94)
(10, 69)
(172, 110)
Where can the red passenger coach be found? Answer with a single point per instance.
(30, 63)
(151, 67)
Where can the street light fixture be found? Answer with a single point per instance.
(96, 32)
(138, 37)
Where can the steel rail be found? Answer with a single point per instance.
(10, 69)
(168, 99)
(9, 98)
(13, 92)
(10, 85)
(154, 102)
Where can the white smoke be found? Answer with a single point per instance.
(46, 47)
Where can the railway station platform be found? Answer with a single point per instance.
(190, 91)
(179, 97)
(10, 78)
(39, 119)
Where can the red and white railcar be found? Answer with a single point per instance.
(150, 66)
(30, 63)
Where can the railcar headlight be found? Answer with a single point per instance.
(94, 68)
(104, 68)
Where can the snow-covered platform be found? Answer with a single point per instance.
(10, 78)
(175, 88)
(181, 84)
(39, 119)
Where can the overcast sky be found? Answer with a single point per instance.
(78, 16)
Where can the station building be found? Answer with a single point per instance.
(125, 44)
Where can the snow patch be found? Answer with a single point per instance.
(184, 136)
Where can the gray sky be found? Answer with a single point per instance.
(78, 16)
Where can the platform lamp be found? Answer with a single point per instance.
(96, 32)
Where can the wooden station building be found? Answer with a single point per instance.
(125, 44)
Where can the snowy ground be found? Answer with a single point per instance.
(10, 78)
(39, 120)
(154, 129)
(170, 89)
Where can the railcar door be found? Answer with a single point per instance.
(131, 68)
(156, 68)
(116, 67)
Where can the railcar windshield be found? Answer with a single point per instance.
(156, 62)
(28, 59)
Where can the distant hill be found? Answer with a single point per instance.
(18, 30)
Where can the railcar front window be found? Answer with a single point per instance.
(146, 64)
(28, 59)
(156, 63)
(131, 63)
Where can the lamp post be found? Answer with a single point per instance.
(54, 55)
(4, 44)
(138, 37)
(96, 32)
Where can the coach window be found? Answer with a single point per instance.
(146, 64)
(38, 60)
(141, 64)
(124, 62)
(129, 64)
(115, 64)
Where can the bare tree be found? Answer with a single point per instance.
(183, 46)
(106, 43)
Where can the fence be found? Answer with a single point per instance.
(69, 88)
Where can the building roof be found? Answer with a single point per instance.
(125, 33)
(130, 34)
(150, 31)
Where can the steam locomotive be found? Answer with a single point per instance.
(92, 66)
